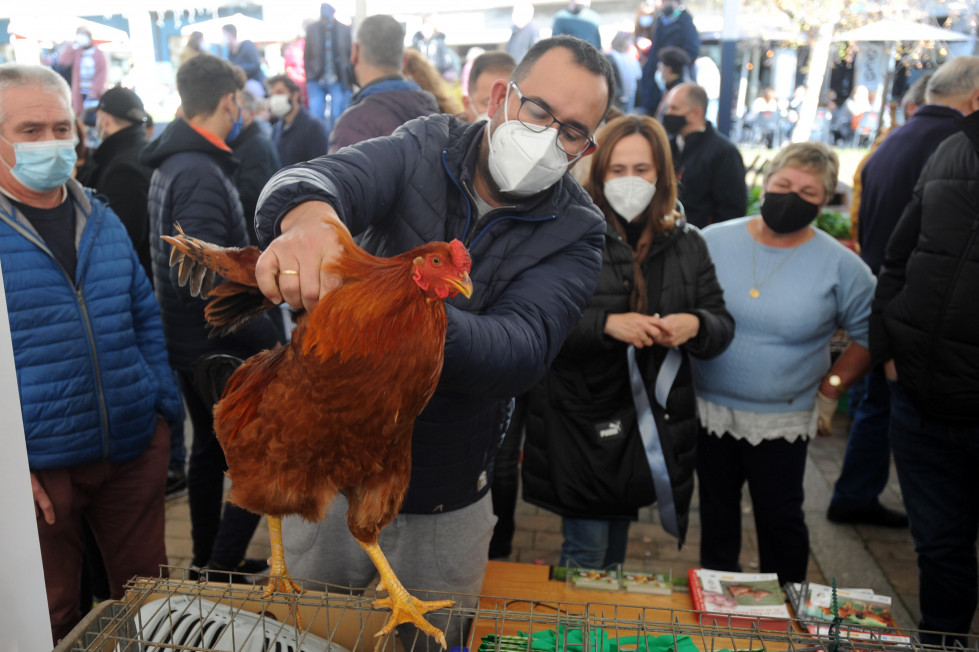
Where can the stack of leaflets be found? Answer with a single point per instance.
(863, 614)
(657, 583)
(654, 583)
(591, 578)
(739, 599)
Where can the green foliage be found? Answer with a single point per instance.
(834, 223)
(754, 201)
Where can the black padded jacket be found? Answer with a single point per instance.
(574, 464)
(925, 311)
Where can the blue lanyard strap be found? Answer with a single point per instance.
(650, 433)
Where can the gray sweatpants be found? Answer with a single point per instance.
(439, 552)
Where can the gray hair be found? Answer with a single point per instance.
(249, 102)
(916, 93)
(381, 39)
(810, 156)
(955, 78)
(21, 75)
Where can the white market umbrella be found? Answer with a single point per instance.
(897, 29)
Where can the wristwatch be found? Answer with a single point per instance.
(835, 381)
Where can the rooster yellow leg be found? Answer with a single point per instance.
(404, 607)
(279, 579)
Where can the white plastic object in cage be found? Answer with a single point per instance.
(184, 621)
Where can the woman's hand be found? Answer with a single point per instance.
(637, 329)
(291, 269)
(827, 408)
(681, 325)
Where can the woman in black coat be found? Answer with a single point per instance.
(588, 455)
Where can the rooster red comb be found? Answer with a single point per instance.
(460, 257)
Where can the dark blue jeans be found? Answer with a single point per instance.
(868, 454)
(339, 100)
(593, 543)
(938, 467)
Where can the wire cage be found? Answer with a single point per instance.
(162, 614)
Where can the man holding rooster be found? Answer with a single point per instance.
(535, 239)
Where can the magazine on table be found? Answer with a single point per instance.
(863, 613)
(739, 599)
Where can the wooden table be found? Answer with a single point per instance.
(520, 598)
(518, 590)
(530, 582)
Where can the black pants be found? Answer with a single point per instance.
(506, 471)
(774, 472)
(218, 538)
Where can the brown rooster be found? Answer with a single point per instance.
(334, 410)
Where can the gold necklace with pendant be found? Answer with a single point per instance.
(754, 291)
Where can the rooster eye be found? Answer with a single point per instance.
(436, 260)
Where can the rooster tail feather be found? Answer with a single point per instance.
(195, 257)
(233, 305)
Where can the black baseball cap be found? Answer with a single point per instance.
(122, 103)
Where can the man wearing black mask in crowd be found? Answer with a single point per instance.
(709, 168)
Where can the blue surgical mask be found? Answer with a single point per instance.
(45, 165)
(646, 20)
(236, 126)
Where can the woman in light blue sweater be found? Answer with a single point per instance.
(789, 288)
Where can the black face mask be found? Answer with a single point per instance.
(674, 123)
(785, 212)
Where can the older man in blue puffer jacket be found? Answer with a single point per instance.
(96, 389)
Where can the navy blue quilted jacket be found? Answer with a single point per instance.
(192, 186)
(91, 364)
(535, 266)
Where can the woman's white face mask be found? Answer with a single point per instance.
(629, 196)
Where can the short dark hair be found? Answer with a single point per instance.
(674, 58)
(283, 79)
(381, 40)
(496, 60)
(230, 29)
(203, 80)
(584, 53)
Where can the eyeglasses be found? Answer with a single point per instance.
(535, 117)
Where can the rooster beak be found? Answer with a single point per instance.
(464, 285)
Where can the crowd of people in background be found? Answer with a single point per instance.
(679, 336)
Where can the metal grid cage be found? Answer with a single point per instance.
(162, 614)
